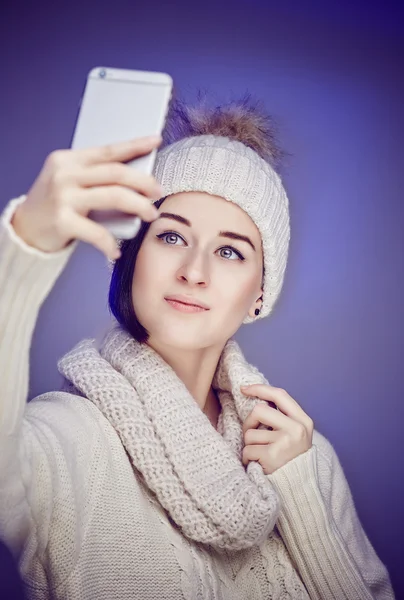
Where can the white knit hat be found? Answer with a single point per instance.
(226, 167)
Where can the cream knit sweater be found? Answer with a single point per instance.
(82, 526)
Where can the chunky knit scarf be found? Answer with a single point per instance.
(194, 470)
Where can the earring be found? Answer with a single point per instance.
(257, 311)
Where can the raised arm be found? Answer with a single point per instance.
(26, 278)
(38, 234)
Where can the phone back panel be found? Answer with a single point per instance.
(120, 104)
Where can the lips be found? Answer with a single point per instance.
(188, 301)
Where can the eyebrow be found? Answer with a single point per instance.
(228, 234)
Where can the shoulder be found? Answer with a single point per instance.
(330, 473)
(53, 404)
(66, 416)
(68, 439)
(327, 460)
(325, 450)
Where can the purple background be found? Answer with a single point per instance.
(333, 79)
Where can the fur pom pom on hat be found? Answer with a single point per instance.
(244, 120)
(230, 151)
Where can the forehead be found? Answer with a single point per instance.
(207, 210)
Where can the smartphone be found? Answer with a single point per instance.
(118, 105)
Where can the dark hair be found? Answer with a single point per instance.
(120, 290)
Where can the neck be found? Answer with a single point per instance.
(196, 369)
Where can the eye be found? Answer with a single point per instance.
(172, 235)
(169, 234)
(239, 256)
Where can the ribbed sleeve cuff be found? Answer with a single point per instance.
(53, 257)
(311, 535)
(26, 278)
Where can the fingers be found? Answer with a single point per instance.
(252, 453)
(282, 399)
(117, 173)
(114, 197)
(260, 436)
(121, 151)
(88, 231)
(270, 417)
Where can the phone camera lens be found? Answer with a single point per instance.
(102, 73)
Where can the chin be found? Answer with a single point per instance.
(183, 336)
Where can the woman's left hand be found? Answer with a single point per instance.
(291, 434)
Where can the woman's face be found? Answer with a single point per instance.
(196, 259)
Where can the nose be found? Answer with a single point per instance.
(194, 270)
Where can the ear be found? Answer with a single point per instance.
(256, 304)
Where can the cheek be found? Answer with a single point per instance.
(150, 264)
(142, 269)
(238, 290)
(147, 276)
(153, 276)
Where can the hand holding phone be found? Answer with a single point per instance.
(88, 193)
(74, 182)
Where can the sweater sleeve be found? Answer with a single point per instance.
(321, 529)
(26, 277)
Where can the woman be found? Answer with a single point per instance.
(155, 473)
